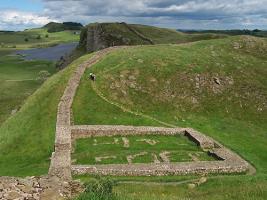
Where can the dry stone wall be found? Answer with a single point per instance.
(61, 159)
(228, 161)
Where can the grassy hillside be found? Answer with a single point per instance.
(18, 80)
(27, 138)
(218, 87)
(166, 36)
(53, 27)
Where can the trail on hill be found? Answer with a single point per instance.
(124, 109)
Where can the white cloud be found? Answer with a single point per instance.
(198, 14)
(15, 20)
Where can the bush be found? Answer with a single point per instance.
(26, 40)
(47, 36)
(43, 75)
(38, 37)
(98, 189)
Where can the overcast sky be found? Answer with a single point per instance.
(178, 14)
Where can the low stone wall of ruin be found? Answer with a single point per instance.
(99, 131)
(228, 161)
(203, 167)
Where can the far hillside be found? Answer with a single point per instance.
(255, 32)
(101, 35)
(57, 27)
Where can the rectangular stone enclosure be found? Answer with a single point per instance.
(150, 160)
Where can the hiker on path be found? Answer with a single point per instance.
(92, 76)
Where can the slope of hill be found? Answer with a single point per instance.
(216, 86)
(101, 35)
(18, 77)
(256, 32)
(58, 27)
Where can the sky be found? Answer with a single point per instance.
(177, 14)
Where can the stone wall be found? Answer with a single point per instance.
(85, 131)
(228, 161)
(61, 159)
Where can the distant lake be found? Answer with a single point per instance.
(50, 53)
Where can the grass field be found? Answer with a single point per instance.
(114, 150)
(217, 87)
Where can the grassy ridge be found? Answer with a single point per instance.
(117, 34)
(217, 87)
(169, 36)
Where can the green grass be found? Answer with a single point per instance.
(18, 80)
(177, 84)
(227, 188)
(169, 36)
(179, 147)
(27, 138)
(171, 83)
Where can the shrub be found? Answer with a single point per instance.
(26, 40)
(98, 189)
(47, 36)
(43, 75)
(38, 37)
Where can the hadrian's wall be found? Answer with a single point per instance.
(229, 162)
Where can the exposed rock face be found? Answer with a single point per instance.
(95, 39)
(99, 36)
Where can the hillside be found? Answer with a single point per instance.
(19, 77)
(255, 32)
(101, 35)
(217, 87)
(65, 26)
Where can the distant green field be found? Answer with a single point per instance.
(35, 38)
(18, 77)
(18, 80)
(147, 149)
